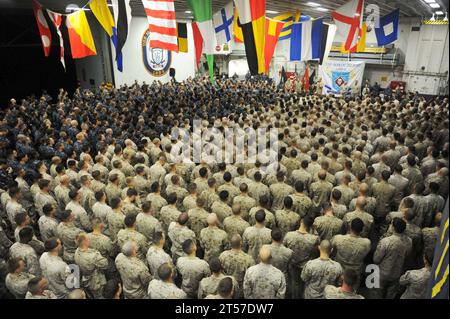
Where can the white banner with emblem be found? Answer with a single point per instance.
(341, 77)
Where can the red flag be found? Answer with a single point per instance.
(306, 80)
(273, 30)
(162, 23)
(198, 40)
(57, 20)
(44, 30)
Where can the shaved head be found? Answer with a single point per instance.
(360, 202)
(325, 247)
(363, 188)
(265, 254)
(212, 219)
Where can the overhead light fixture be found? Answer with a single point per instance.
(434, 5)
(430, 1)
(439, 13)
(72, 8)
(188, 11)
(272, 12)
(313, 4)
(322, 9)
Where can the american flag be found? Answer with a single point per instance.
(162, 24)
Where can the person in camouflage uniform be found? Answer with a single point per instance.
(304, 246)
(320, 272)
(17, 278)
(101, 209)
(23, 250)
(192, 269)
(257, 188)
(430, 235)
(170, 212)
(347, 290)
(103, 244)
(178, 234)
(146, 223)
(48, 223)
(415, 280)
(163, 287)
(264, 204)
(55, 269)
(156, 256)
(287, 220)
(115, 218)
(213, 239)
(281, 255)
(209, 195)
(361, 214)
(228, 186)
(244, 200)
(235, 262)
(67, 233)
(92, 266)
(38, 289)
(221, 207)
(256, 236)
(209, 285)
(413, 232)
(197, 217)
(235, 224)
(155, 198)
(130, 234)
(371, 202)
(390, 255)
(264, 281)
(320, 191)
(327, 225)
(384, 194)
(302, 203)
(279, 191)
(190, 201)
(301, 175)
(82, 220)
(133, 272)
(347, 193)
(351, 249)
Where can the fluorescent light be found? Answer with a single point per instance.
(271, 12)
(439, 13)
(187, 11)
(322, 9)
(434, 5)
(430, 1)
(313, 4)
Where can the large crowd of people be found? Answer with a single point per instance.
(93, 205)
